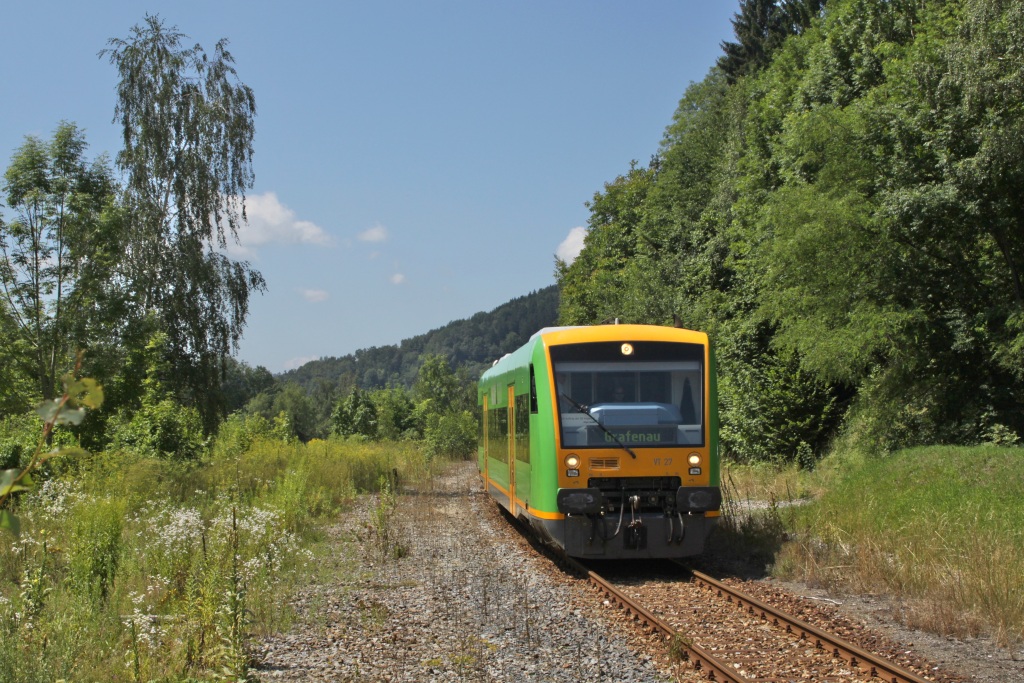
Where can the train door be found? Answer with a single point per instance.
(512, 449)
(487, 442)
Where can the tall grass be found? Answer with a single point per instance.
(942, 529)
(132, 569)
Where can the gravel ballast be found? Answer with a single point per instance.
(469, 601)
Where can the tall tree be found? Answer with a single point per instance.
(188, 124)
(981, 138)
(51, 247)
(594, 286)
(446, 390)
(760, 27)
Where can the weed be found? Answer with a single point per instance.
(386, 541)
(679, 647)
(96, 545)
(235, 618)
(750, 532)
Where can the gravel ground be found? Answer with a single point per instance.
(470, 601)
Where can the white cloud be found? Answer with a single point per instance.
(293, 363)
(314, 295)
(572, 245)
(377, 233)
(397, 279)
(271, 222)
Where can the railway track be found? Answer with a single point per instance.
(730, 637)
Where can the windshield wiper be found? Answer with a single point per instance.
(586, 411)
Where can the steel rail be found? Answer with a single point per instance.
(873, 665)
(713, 668)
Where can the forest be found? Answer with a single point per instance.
(468, 347)
(840, 204)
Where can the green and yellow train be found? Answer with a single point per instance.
(604, 439)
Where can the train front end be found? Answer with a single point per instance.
(633, 410)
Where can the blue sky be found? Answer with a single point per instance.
(416, 162)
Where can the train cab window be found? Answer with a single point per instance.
(653, 398)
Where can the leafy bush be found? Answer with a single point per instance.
(238, 432)
(452, 436)
(774, 412)
(165, 429)
(395, 414)
(355, 415)
(19, 435)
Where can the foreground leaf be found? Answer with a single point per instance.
(8, 485)
(85, 392)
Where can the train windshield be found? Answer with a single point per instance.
(646, 394)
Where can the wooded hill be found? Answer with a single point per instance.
(470, 346)
(840, 203)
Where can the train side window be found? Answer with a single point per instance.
(499, 433)
(522, 429)
(533, 391)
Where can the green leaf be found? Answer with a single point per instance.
(8, 485)
(54, 412)
(10, 522)
(48, 410)
(70, 416)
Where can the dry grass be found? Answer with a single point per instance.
(755, 502)
(766, 482)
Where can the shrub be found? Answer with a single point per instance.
(452, 435)
(164, 429)
(237, 434)
(19, 435)
(773, 411)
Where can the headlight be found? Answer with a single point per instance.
(572, 461)
(694, 459)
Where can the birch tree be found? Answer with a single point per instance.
(188, 126)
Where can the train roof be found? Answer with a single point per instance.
(546, 330)
(595, 333)
(573, 334)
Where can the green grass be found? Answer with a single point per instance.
(940, 528)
